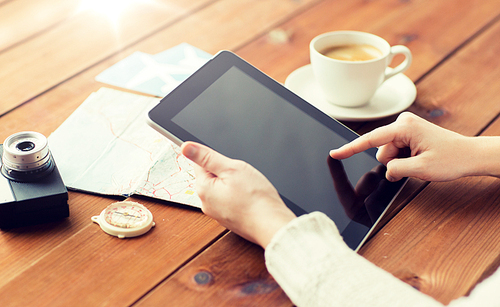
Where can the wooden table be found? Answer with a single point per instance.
(442, 238)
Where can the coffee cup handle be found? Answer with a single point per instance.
(399, 49)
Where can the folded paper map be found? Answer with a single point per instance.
(106, 147)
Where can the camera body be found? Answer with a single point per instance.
(31, 188)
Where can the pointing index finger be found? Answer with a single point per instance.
(375, 138)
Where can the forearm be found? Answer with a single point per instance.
(314, 267)
(266, 226)
(483, 156)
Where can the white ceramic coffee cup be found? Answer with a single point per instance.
(353, 83)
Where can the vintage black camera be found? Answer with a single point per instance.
(31, 188)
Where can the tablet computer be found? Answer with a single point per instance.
(237, 110)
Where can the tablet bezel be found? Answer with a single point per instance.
(160, 117)
(209, 73)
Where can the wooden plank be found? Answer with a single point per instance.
(83, 40)
(460, 223)
(421, 26)
(47, 111)
(21, 19)
(224, 26)
(448, 98)
(76, 46)
(493, 129)
(457, 242)
(204, 30)
(442, 241)
(468, 98)
(23, 246)
(229, 273)
(92, 268)
(59, 96)
(430, 44)
(456, 105)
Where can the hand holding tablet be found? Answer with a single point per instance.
(242, 113)
(259, 211)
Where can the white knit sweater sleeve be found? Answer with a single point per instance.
(313, 265)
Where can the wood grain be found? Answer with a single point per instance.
(22, 19)
(229, 273)
(421, 26)
(457, 238)
(43, 247)
(75, 45)
(442, 242)
(226, 24)
(462, 94)
(278, 59)
(46, 112)
(458, 220)
(99, 269)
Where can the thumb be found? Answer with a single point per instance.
(399, 168)
(205, 157)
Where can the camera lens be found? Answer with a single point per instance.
(25, 146)
(26, 156)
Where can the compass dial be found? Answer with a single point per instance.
(125, 219)
(126, 215)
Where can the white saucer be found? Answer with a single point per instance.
(393, 96)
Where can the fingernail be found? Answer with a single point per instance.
(332, 152)
(390, 178)
(190, 151)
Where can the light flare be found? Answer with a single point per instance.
(112, 9)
